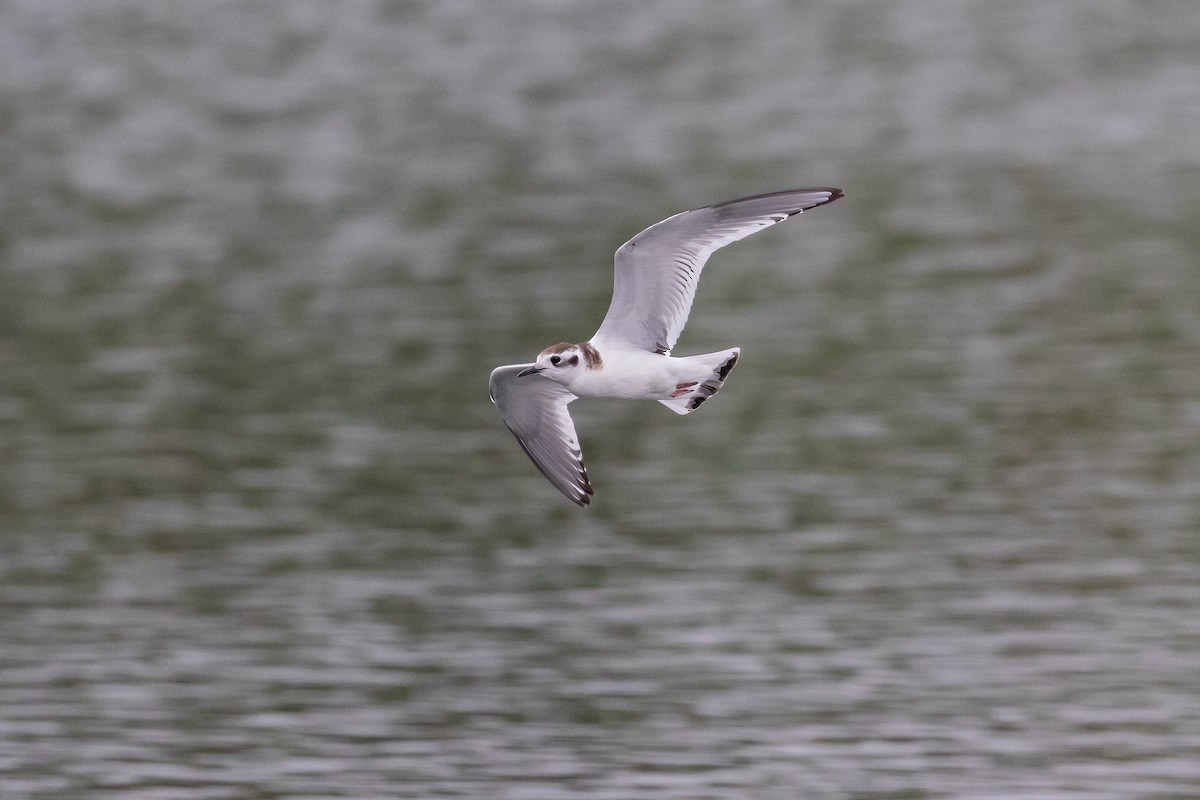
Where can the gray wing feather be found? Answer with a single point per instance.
(657, 271)
(535, 410)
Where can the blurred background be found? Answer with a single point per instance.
(262, 535)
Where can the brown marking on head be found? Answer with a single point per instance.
(591, 356)
(561, 347)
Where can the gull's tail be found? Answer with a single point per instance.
(711, 371)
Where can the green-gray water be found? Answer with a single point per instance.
(263, 536)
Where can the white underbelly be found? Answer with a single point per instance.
(635, 376)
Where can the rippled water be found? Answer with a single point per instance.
(262, 535)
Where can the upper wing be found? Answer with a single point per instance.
(535, 410)
(657, 270)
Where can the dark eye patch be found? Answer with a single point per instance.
(574, 360)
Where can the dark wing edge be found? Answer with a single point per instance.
(579, 490)
(833, 194)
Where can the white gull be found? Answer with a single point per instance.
(630, 355)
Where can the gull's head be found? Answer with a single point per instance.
(560, 362)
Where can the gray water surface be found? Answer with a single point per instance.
(263, 536)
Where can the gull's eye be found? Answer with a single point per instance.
(554, 360)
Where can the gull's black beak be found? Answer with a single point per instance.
(530, 371)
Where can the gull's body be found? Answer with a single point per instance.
(631, 374)
(630, 355)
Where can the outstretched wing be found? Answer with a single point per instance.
(657, 270)
(535, 409)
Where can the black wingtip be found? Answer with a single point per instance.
(834, 194)
(585, 499)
